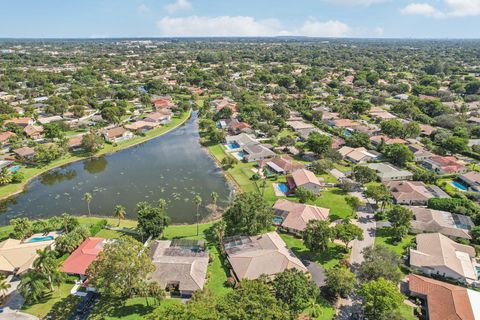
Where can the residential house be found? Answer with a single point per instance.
(239, 141)
(443, 300)
(378, 140)
(303, 178)
(295, 216)
(224, 102)
(33, 132)
(180, 265)
(141, 126)
(438, 255)
(358, 155)
(419, 152)
(414, 193)
(303, 134)
(253, 256)
(117, 134)
(79, 260)
(444, 165)
(50, 119)
(342, 123)
(256, 152)
(337, 143)
(283, 164)
(24, 153)
(471, 180)
(380, 114)
(5, 138)
(389, 172)
(449, 224)
(161, 117)
(236, 127)
(22, 122)
(426, 130)
(17, 256)
(299, 125)
(163, 103)
(75, 143)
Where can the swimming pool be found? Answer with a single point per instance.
(283, 187)
(240, 154)
(277, 220)
(232, 146)
(459, 186)
(39, 239)
(15, 169)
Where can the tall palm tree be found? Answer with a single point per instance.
(47, 264)
(32, 285)
(87, 197)
(119, 213)
(198, 202)
(5, 176)
(4, 286)
(214, 197)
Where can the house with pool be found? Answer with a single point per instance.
(468, 181)
(17, 256)
(303, 178)
(245, 147)
(283, 164)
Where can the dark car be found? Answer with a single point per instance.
(86, 302)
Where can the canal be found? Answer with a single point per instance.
(173, 167)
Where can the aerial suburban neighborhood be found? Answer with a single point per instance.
(239, 168)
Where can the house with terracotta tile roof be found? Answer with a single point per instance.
(253, 256)
(24, 153)
(303, 178)
(141, 126)
(160, 117)
(444, 165)
(33, 132)
(297, 215)
(444, 301)
(75, 143)
(414, 193)
(5, 138)
(83, 256)
(453, 225)
(22, 122)
(180, 266)
(436, 254)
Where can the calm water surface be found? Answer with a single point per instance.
(173, 167)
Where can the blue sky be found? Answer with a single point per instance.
(322, 18)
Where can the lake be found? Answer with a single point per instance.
(173, 166)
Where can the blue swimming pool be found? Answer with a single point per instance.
(283, 187)
(277, 220)
(459, 186)
(14, 169)
(232, 146)
(478, 271)
(240, 154)
(39, 239)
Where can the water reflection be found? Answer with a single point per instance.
(95, 165)
(57, 175)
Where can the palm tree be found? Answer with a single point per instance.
(5, 176)
(4, 286)
(119, 213)
(214, 197)
(198, 202)
(47, 264)
(32, 285)
(87, 197)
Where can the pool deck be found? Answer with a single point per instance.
(278, 192)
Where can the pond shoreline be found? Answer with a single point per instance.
(22, 186)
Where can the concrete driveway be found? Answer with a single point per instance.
(367, 222)
(317, 272)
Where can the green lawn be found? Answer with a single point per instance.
(383, 236)
(407, 312)
(334, 199)
(58, 304)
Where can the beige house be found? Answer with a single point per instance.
(117, 134)
(179, 268)
(389, 172)
(253, 256)
(439, 255)
(17, 256)
(358, 155)
(446, 223)
(297, 215)
(303, 178)
(414, 192)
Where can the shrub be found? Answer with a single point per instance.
(96, 227)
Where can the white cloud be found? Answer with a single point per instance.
(379, 31)
(453, 8)
(225, 26)
(143, 8)
(357, 2)
(331, 28)
(461, 8)
(424, 9)
(219, 26)
(178, 5)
